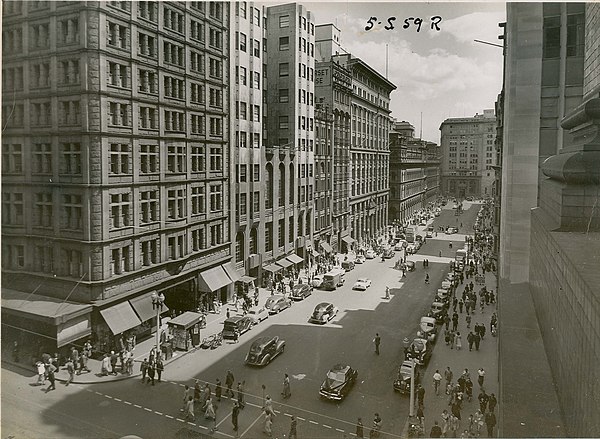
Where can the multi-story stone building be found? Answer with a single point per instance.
(468, 155)
(248, 91)
(324, 120)
(414, 172)
(115, 179)
(369, 151)
(289, 147)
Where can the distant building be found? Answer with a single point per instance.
(414, 172)
(468, 155)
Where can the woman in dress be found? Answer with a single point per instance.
(286, 387)
(209, 410)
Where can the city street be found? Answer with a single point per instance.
(108, 409)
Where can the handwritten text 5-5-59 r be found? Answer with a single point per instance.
(415, 22)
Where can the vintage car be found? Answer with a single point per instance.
(239, 324)
(264, 349)
(420, 351)
(348, 265)
(301, 291)
(442, 295)
(323, 313)
(403, 382)
(451, 230)
(257, 314)
(411, 248)
(362, 284)
(428, 329)
(410, 265)
(338, 382)
(446, 284)
(400, 245)
(438, 311)
(429, 234)
(370, 254)
(317, 281)
(388, 253)
(359, 259)
(277, 303)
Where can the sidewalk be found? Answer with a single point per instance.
(458, 360)
(141, 351)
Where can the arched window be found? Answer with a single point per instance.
(269, 186)
(253, 241)
(281, 184)
(239, 247)
(292, 184)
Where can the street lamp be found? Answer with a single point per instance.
(157, 304)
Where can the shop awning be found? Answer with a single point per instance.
(213, 279)
(143, 307)
(247, 279)
(273, 268)
(295, 259)
(186, 319)
(326, 247)
(284, 263)
(348, 239)
(73, 330)
(231, 271)
(120, 317)
(315, 253)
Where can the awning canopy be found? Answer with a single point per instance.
(247, 279)
(120, 317)
(231, 271)
(326, 247)
(273, 268)
(284, 263)
(213, 279)
(186, 319)
(295, 259)
(348, 239)
(143, 307)
(315, 253)
(73, 330)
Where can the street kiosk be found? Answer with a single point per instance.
(184, 330)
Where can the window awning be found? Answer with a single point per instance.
(213, 279)
(273, 268)
(348, 239)
(231, 271)
(186, 319)
(143, 307)
(315, 253)
(295, 259)
(120, 317)
(73, 330)
(247, 279)
(326, 247)
(284, 263)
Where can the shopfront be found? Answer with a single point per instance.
(270, 273)
(214, 283)
(348, 241)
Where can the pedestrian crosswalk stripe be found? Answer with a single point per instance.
(301, 419)
(108, 396)
(147, 409)
(180, 420)
(326, 426)
(158, 413)
(169, 416)
(340, 430)
(127, 402)
(138, 406)
(117, 399)
(313, 422)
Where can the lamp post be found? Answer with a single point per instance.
(157, 304)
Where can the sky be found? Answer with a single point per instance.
(441, 73)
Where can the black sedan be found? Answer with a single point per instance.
(323, 313)
(403, 382)
(301, 291)
(236, 324)
(338, 382)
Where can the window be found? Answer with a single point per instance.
(148, 118)
(71, 212)
(256, 202)
(284, 69)
(243, 111)
(216, 159)
(216, 234)
(284, 21)
(12, 40)
(120, 158)
(39, 36)
(147, 10)
(44, 258)
(173, 54)
(291, 229)
(42, 159)
(241, 9)
(216, 194)
(173, 20)
(256, 173)
(149, 252)
(69, 113)
(175, 204)
(256, 117)
(121, 260)
(257, 16)
(242, 76)
(197, 30)
(149, 212)
(215, 39)
(284, 95)
(551, 37)
(281, 232)
(71, 158)
(198, 239)
(575, 34)
(257, 80)
(215, 10)
(198, 158)
(242, 174)
(269, 237)
(174, 121)
(12, 208)
(68, 31)
(117, 35)
(197, 62)
(198, 200)
(215, 68)
(215, 97)
(174, 87)
(13, 256)
(197, 95)
(242, 204)
(120, 210)
(119, 114)
(256, 48)
(12, 78)
(69, 71)
(216, 126)
(241, 139)
(176, 247)
(41, 113)
(242, 41)
(147, 45)
(176, 158)
(256, 140)
(149, 160)
(123, 5)
(12, 158)
(198, 124)
(283, 122)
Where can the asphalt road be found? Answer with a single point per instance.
(129, 407)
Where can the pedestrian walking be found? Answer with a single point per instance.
(71, 371)
(268, 407)
(218, 389)
(189, 409)
(268, 425)
(293, 428)
(481, 376)
(421, 416)
(105, 368)
(437, 379)
(490, 422)
(377, 341)
(420, 394)
(50, 371)
(144, 369)
(205, 394)
(360, 430)
(454, 425)
(483, 400)
(187, 393)
(159, 369)
(477, 340)
(468, 320)
(469, 388)
(197, 391)
(235, 411)
(458, 341)
(229, 380)
(75, 359)
(478, 421)
(448, 375)
(41, 371)
(209, 410)
(492, 401)
(240, 394)
(113, 362)
(151, 373)
(286, 393)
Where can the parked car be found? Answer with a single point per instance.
(348, 265)
(323, 313)
(438, 311)
(317, 281)
(400, 245)
(451, 230)
(388, 253)
(442, 295)
(362, 284)
(410, 265)
(239, 324)
(429, 234)
(338, 382)
(428, 329)
(277, 303)
(411, 248)
(420, 351)
(370, 254)
(359, 259)
(301, 291)
(257, 314)
(403, 381)
(263, 350)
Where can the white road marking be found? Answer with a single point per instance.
(127, 402)
(301, 419)
(147, 409)
(326, 426)
(158, 413)
(108, 396)
(340, 430)
(117, 399)
(169, 416)
(313, 422)
(138, 406)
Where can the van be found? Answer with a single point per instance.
(335, 278)
(348, 265)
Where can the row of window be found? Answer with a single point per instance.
(244, 111)
(304, 71)
(303, 23)
(303, 45)
(304, 97)
(46, 259)
(243, 11)
(241, 44)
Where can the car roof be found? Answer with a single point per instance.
(323, 305)
(340, 368)
(233, 319)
